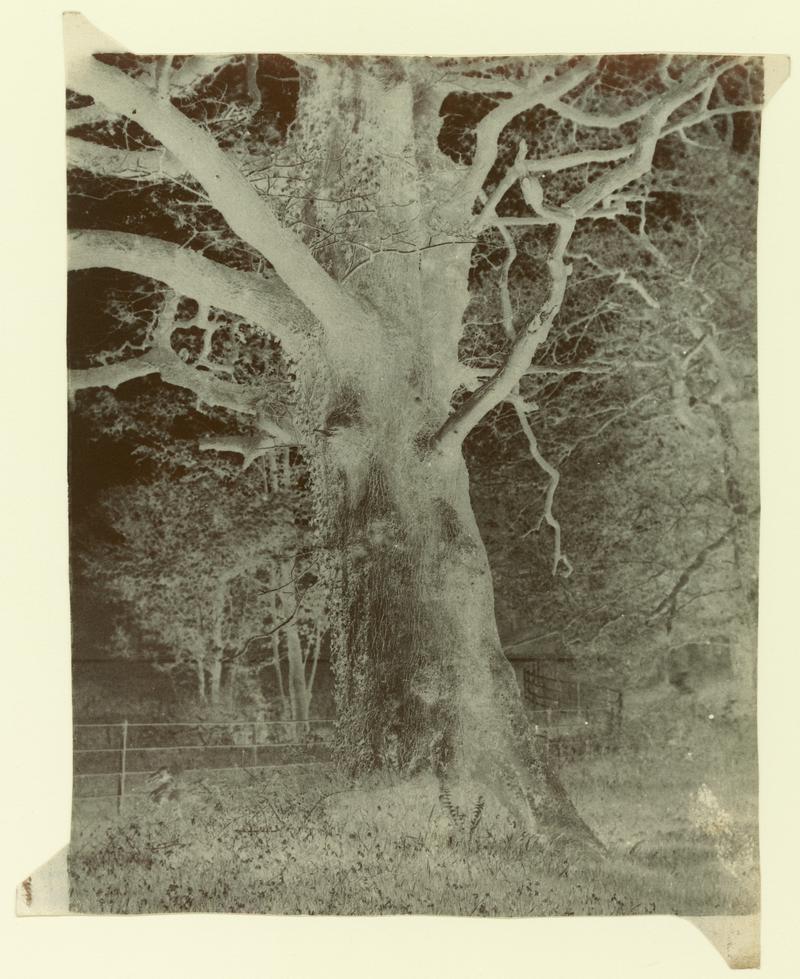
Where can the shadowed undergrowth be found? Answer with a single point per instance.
(679, 828)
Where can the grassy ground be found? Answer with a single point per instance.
(679, 820)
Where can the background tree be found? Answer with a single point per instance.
(351, 241)
(646, 420)
(211, 581)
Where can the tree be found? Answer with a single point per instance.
(216, 585)
(352, 241)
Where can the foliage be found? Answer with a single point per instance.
(199, 572)
(645, 402)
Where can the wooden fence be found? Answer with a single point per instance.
(114, 761)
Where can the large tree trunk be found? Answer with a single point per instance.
(422, 682)
(421, 678)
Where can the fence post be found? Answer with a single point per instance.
(123, 766)
(255, 739)
(578, 694)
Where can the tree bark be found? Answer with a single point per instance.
(421, 678)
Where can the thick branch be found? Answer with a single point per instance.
(654, 121)
(164, 360)
(112, 375)
(229, 191)
(493, 123)
(523, 167)
(265, 302)
(195, 69)
(209, 389)
(598, 120)
(505, 296)
(499, 387)
(703, 115)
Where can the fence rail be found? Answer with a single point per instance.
(567, 715)
(201, 773)
(241, 742)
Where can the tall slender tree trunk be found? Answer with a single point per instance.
(200, 676)
(298, 695)
(742, 509)
(216, 652)
(312, 661)
(215, 681)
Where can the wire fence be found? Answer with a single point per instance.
(113, 761)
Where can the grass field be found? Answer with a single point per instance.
(678, 816)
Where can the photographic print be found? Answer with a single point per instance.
(413, 476)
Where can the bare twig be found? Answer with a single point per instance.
(669, 603)
(559, 557)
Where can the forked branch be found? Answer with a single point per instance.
(264, 302)
(162, 359)
(245, 211)
(635, 162)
